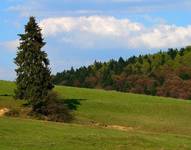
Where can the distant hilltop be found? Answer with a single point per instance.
(163, 74)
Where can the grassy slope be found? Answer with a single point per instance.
(157, 123)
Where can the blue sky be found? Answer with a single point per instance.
(78, 32)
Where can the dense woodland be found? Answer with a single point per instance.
(163, 74)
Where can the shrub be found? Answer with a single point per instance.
(53, 109)
(12, 113)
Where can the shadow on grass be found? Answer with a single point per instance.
(6, 95)
(72, 104)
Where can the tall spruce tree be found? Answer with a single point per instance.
(33, 73)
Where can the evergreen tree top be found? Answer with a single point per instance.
(32, 35)
(31, 25)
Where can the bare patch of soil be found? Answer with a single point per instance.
(116, 127)
(3, 111)
(122, 128)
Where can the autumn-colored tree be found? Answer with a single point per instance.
(162, 73)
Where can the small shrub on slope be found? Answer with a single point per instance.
(53, 109)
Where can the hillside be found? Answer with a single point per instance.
(104, 120)
(163, 74)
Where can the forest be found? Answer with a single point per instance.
(166, 73)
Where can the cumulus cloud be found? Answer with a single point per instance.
(93, 24)
(110, 32)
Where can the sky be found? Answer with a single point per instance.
(78, 32)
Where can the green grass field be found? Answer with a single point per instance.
(155, 123)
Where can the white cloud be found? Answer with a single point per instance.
(27, 8)
(24, 11)
(10, 45)
(99, 25)
(44, 8)
(110, 32)
(164, 36)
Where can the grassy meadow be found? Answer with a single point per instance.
(152, 123)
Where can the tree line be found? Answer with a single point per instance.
(166, 73)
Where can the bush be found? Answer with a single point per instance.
(53, 109)
(12, 113)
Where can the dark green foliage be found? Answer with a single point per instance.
(185, 76)
(162, 59)
(181, 52)
(12, 113)
(164, 74)
(54, 109)
(33, 74)
(172, 53)
(140, 59)
(72, 104)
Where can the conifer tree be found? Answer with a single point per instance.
(33, 73)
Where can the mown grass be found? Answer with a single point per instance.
(31, 135)
(6, 88)
(158, 123)
(145, 113)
